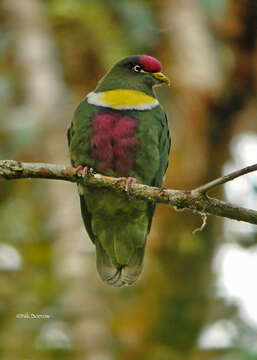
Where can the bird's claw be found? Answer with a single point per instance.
(162, 190)
(84, 171)
(129, 182)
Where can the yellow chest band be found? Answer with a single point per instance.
(123, 99)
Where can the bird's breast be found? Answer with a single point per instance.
(114, 141)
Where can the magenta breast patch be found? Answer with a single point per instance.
(113, 141)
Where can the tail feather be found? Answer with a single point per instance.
(119, 275)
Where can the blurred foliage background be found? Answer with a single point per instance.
(52, 53)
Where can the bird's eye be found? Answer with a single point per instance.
(137, 68)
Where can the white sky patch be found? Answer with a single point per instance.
(241, 191)
(219, 335)
(54, 335)
(10, 259)
(237, 269)
(237, 266)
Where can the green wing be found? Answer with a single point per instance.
(78, 136)
(164, 151)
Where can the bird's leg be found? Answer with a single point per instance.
(129, 182)
(84, 170)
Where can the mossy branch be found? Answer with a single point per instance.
(195, 200)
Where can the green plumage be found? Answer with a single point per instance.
(118, 226)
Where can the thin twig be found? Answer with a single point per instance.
(192, 200)
(204, 222)
(224, 179)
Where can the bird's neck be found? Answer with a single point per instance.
(123, 94)
(109, 83)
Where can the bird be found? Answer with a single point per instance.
(121, 130)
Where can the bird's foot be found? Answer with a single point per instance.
(162, 190)
(84, 171)
(129, 182)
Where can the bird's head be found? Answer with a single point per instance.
(140, 72)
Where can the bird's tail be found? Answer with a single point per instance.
(119, 236)
(117, 274)
(120, 246)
